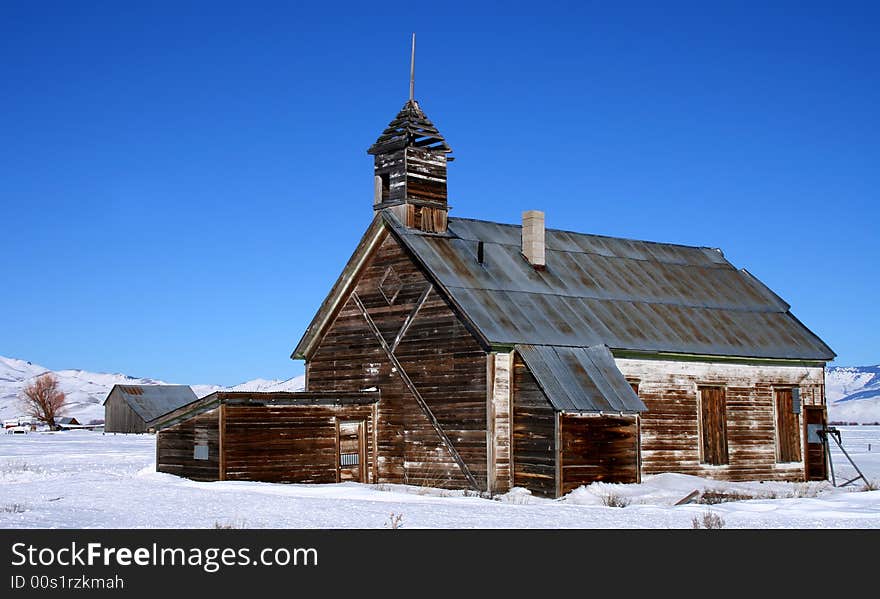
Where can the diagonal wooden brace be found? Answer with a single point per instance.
(412, 388)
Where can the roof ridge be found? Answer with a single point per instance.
(452, 219)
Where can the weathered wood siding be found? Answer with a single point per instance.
(425, 175)
(444, 361)
(293, 444)
(175, 447)
(534, 434)
(498, 442)
(670, 433)
(597, 448)
(120, 418)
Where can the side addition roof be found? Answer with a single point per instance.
(264, 398)
(580, 379)
(151, 401)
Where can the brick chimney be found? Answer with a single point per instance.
(533, 238)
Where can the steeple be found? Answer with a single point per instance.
(410, 167)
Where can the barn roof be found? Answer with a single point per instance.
(636, 296)
(626, 294)
(265, 398)
(580, 379)
(151, 401)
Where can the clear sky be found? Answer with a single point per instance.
(181, 183)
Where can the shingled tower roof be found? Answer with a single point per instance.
(410, 128)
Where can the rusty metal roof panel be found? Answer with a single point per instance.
(580, 379)
(151, 401)
(629, 295)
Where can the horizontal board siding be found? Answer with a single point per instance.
(293, 444)
(597, 448)
(670, 440)
(533, 434)
(175, 445)
(441, 357)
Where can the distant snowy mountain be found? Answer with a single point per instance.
(853, 393)
(86, 391)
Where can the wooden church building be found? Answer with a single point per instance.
(464, 353)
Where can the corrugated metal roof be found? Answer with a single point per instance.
(629, 295)
(580, 379)
(151, 401)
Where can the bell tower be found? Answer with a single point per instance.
(410, 167)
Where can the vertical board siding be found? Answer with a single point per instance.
(120, 418)
(444, 361)
(713, 426)
(669, 429)
(533, 434)
(598, 448)
(500, 413)
(788, 430)
(175, 445)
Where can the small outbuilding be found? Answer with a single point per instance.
(66, 422)
(135, 408)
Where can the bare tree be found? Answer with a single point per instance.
(43, 399)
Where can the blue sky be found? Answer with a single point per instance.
(181, 183)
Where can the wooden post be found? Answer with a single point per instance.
(375, 412)
(557, 439)
(490, 423)
(336, 422)
(221, 436)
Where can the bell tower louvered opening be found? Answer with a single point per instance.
(410, 170)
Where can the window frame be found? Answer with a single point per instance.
(701, 427)
(796, 431)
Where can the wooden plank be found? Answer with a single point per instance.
(787, 427)
(411, 317)
(533, 439)
(557, 443)
(490, 426)
(221, 425)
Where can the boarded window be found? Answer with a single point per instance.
(713, 426)
(788, 441)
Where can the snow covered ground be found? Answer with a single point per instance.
(83, 479)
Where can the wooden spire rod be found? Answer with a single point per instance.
(412, 70)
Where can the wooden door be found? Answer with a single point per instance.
(713, 426)
(788, 427)
(815, 467)
(352, 451)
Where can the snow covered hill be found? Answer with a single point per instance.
(86, 391)
(853, 393)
